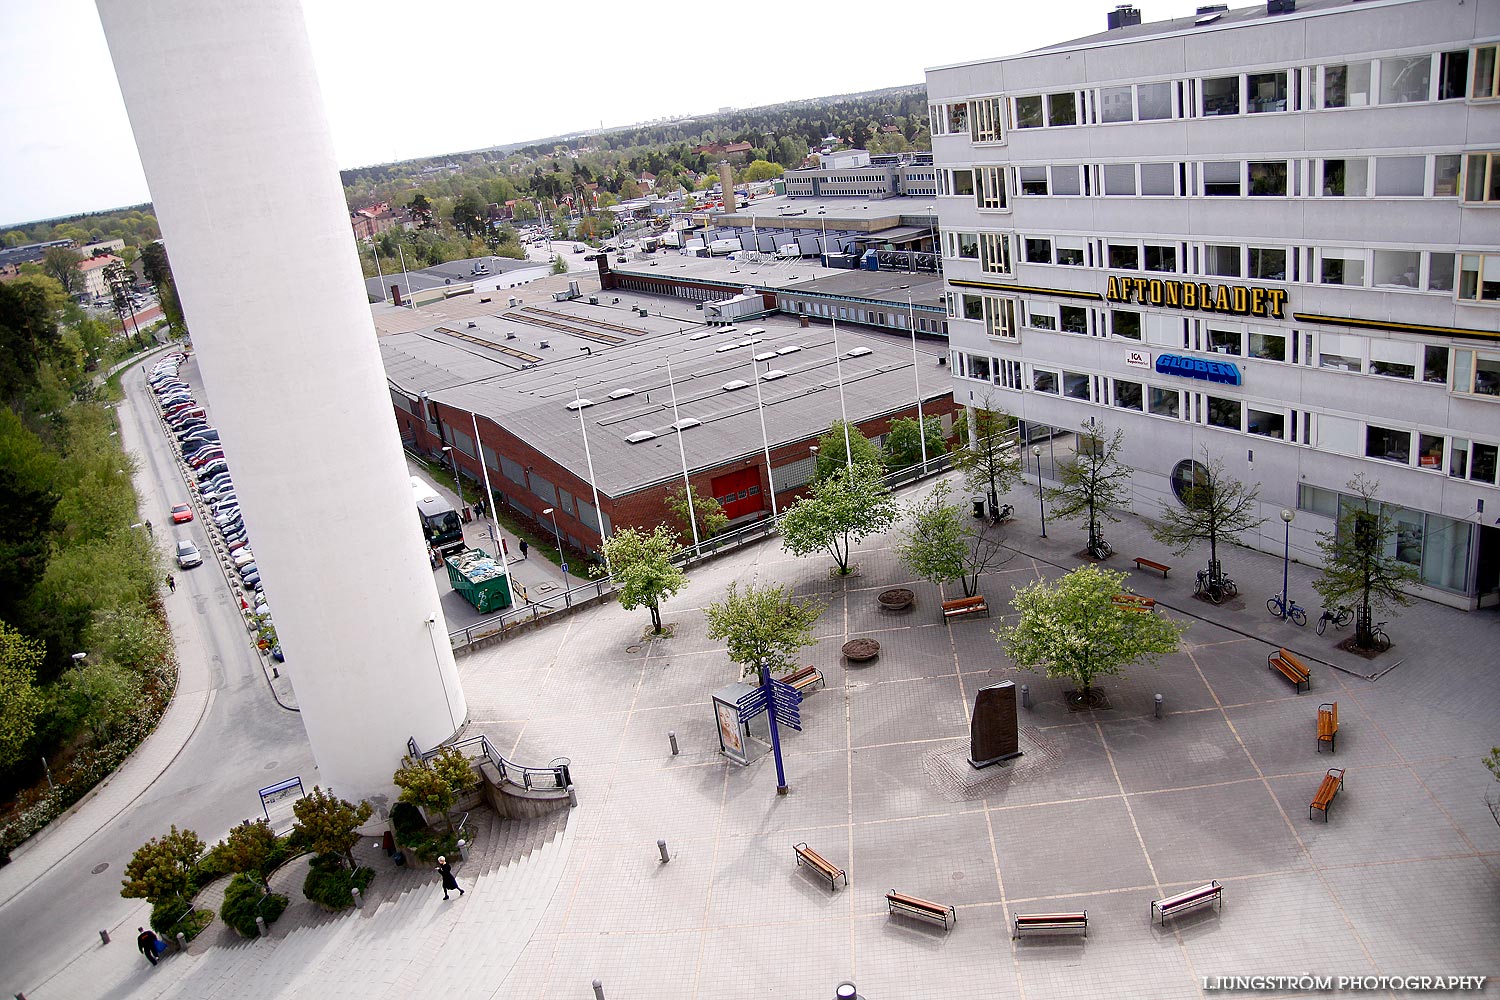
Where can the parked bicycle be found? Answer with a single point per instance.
(1379, 640)
(1100, 549)
(1291, 609)
(1338, 616)
(1218, 588)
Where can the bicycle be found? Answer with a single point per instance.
(1291, 609)
(1339, 616)
(1100, 549)
(1379, 640)
(1217, 589)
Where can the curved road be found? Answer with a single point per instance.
(223, 738)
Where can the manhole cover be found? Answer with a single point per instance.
(547, 588)
(632, 649)
(958, 876)
(101, 867)
(271, 765)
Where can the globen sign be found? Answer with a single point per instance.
(1235, 300)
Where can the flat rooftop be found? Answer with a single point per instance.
(812, 213)
(878, 286)
(768, 273)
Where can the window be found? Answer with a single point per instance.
(1341, 352)
(1042, 318)
(1128, 395)
(1119, 178)
(1396, 268)
(1476, 373)
(1268, 263)
(1486, 77)
(1268, 179)
(1062, 109)
(1341, 267)
(1221, 179)
(1072, 256)
(979, 367)
(994, 252)
(1392, 369)
(937, 115)
(1123, 323)
(1482, 467)
(1267, 346)
(973, 306)
(1429, 452)
(1033, 180)
(1075, 385)
(1074, 319)
(1153, 101)
(1043, 381)
(1038, 250)
(1440, 272)
(1161, 258)
(1265, 92)
(1435, 364)
(1000, 318)
(1346, 86)
(1453, 74)
(1223, 261)
(1028, 112)
(1388, 445)
(1224, 341)
(1346, 178)
(1164, 402)
(1482, 177)
(958, 118)
(1223, 412)
(1221, 96)
(1400, 176)
(991, 183)
(963, 182)
(1479, 277)
(1404, 79)
(1115, 104)
(1065, 180)
(1008, 373)
(1265, 423)
(1445, 172)
(984, 120)
(961, 245)
(1124, 256)
(1158, 178)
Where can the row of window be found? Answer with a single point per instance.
(895, 318)
(1392, 80)
(1436, 546)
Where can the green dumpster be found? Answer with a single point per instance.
(480, 578)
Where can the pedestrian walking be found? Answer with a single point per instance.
(150, 529)
(524, 547)
(445, 870)
(171, 583)
(147, 942)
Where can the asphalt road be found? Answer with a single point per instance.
(243, 742)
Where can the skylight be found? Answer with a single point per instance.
(579, 404)
(640, 436)
(685, 423)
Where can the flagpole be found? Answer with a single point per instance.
(911, 323)
(489, 500)
(589, 458)
(838, 366)
(764, 440)
(687, 487)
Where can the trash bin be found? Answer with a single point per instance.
(979, 507)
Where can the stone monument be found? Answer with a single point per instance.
(992, 734)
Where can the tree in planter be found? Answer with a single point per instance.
(163, 867)
(708, 511)
(942, 545)
(988, 457)
(1074, 629)
(1359, 562)
(641, 564)
(834, 451)
(1092, 483)
(435, 784)
(845, 507)
(327, 824)
(328, 882)
(903, 445)
(247, 897)
(1215, 505)
(247, 848)
(762, 624)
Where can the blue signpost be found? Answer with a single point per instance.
(782, 700)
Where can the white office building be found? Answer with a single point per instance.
(1270, 234)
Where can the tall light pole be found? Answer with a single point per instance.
(765, 442)
(1036, 453)
(457, 486)
(838, 367)
(1286, 556)
(561, 555)
(687, 486)
(911, 324)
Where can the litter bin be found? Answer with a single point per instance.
(979, 507)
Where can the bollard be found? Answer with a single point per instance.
(672, 738)
(1025, 695)
(598, 990)
(463, 850)
(1158, 699)
(182, 942)
(572, 796)
(20, 996)
(661, 847)
(104, 937)
(359, 897)
(260, 926)
(846, 991)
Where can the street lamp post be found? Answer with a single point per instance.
(1036, 453)
(561, 555)
(457, 486)
(1286, 557)
(911, 325)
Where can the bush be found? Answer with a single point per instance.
(328, 882)
(414, 835)
(167, 912)
(245, 899)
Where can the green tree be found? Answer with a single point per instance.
(246, 847)
(162, 867)
(422, 785)
(99, 694)
(843, 508)
(988, 457)
(762, 625)
(1214, 505)
(1359, 561)
(1092, 483)
(328, 824)
(641, 563)
(28, 335)
(903, 445)
(61, 265)
(1074, 629)
(20, 701)
(28, 500)
(834, 450)
(158, 270)
(940, 544)
(760, 170)
(130, 634)
(708, 511)
(560, 265)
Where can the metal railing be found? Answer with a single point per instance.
(555, 776)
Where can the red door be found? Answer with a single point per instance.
(739, 492)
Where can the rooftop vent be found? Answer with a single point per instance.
(640, 436)
(738, 383)
(621, 393)
(579, 404)
(773, 375)
(858, 352)
(1211, 13)
(727, 347)
(789, 349)
(767, 356)
(1123, 16)
(1281, 6)
(700, 336)
(755, 331)
(686, 422)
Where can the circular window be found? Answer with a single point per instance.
(1185, 475)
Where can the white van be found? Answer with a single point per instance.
(719, 247)
(787, 251)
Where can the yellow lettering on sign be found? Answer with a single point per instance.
(1276, 298)
(1189, 295)
(1257, 301)
(1239, 297)
(1154, 292)
(1112, 292)
(1173, 291)
(1221, 300)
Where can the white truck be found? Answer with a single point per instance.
(787, 251)
(720, 247)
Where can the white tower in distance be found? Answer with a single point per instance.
(228, 116)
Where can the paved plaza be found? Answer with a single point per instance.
(1107, 811)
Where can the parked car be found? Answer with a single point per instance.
(212, 469)
(182, 513)
(187, 554)
(203, 456)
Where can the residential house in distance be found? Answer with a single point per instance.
(370, 222)
(92, 270)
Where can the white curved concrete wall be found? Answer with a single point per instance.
(229, 119)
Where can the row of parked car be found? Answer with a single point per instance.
(203, 455)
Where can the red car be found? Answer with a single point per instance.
(182, 513)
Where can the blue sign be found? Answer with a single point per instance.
(752, 704)
(1222, 372)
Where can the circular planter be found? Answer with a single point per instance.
(897, 599)
(860, 650)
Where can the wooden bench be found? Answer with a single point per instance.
(919, 907)
(1290, 667)
(1133, 602)
(1050, 922)
(1328, 725)
(964, 606)
(1212, 892)
(1332, 782)
(806, 677)
(1141, 562)
(806, 855)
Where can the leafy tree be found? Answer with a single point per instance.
(941, 544)
(903, 445)
(560, 265)
(469, 213)
(61, 265)
(130, 634)
(843, 508)
(328, 824)
(162, 867)
(421, 210)
(1092, 483)
(762, 624)
(1359, 562)
(423, 786)
(1073, 628)
(641, 563)
(987, 457)
(760, 170)
(247, 847)
(834, 451)
(20, 702)
(28, 499)
(453, 767)
(708, 511)
(99, 694)
(158, 271)
(28, 335)
(1214, 506)
(247, 897)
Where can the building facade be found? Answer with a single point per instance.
(1269, 236)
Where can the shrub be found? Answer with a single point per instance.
(245, 899)
(414, 835)
(328, 882)
(167, 912)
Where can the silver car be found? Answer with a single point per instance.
(187, 554)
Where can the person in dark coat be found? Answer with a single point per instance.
(146, 942)
(524, 547)
(450, 883)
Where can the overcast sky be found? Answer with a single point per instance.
(408, 79)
